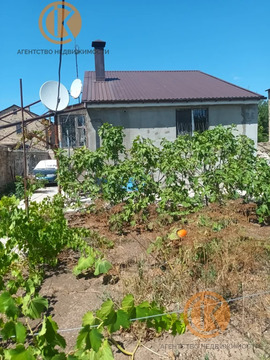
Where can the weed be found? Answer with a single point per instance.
(204, 220)
(165, 219)
(99, 241)
(141, 269)
(116, 224)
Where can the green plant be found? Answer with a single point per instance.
(43, 233)
(32, 241)
(263, 123)
(96, 335)
(32, 184)
(179, 177)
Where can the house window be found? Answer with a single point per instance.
(73, 131)
(18, 128)
(80, 130)
(190, 120)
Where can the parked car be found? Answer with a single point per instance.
(46, 170)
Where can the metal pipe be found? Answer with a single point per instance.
(41, 117)
(24, 154)
(56, 147)
(15, 112)
(268, 101)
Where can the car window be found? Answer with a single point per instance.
(44, 171)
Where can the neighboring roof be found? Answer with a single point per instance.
(160, 86)
(10, 109)
(15, 109)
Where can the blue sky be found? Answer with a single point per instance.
(228, 39)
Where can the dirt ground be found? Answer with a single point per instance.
(136, 271)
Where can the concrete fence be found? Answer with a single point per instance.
(11, 163)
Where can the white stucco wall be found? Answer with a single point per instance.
(160, 121)
(150, 123)
(245, 118)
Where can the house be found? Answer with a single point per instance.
(38, 133)
(11, 137)
(72, 130)
(162, 104)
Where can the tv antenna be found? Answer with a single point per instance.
(48, 95)
(76, 88)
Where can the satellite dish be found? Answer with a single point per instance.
(76, 88)
(48, 95)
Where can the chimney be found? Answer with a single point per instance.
(99, 46)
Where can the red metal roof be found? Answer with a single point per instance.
(160, 86)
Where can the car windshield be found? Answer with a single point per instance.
(44, 171)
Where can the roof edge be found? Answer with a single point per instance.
(202, 100)
(232, 84)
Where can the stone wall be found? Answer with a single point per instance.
(12, 136)
(11, 163)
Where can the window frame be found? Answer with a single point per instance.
(192, 110)
(73, 139)
(18, 129)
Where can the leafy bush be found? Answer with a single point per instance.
(43, 233)
(263, 121)
(179, 177)
(33, 240)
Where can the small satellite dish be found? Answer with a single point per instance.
(76, 88)
(48, 95)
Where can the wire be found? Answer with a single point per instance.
(76, 58)
(60, 57)
(76, 63)
(164, 314)
(177, 311)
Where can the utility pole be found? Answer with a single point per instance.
(24, 154)
(56, 146)
(268, 90)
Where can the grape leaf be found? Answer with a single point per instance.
(8, 306)
(95, 339)
(8, 330)
(49, 335)
(105, 351)
(105, 309)
(128, 303)
(102, 267)
(20, 332)
(142, 310)
(122, 320)
(88, 318)
(178, 327)
(19, 353)
(83, 340)
(36, 307)
(84, 263)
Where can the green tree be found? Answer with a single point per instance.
(263, 124)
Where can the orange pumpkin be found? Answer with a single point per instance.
(181, 232)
